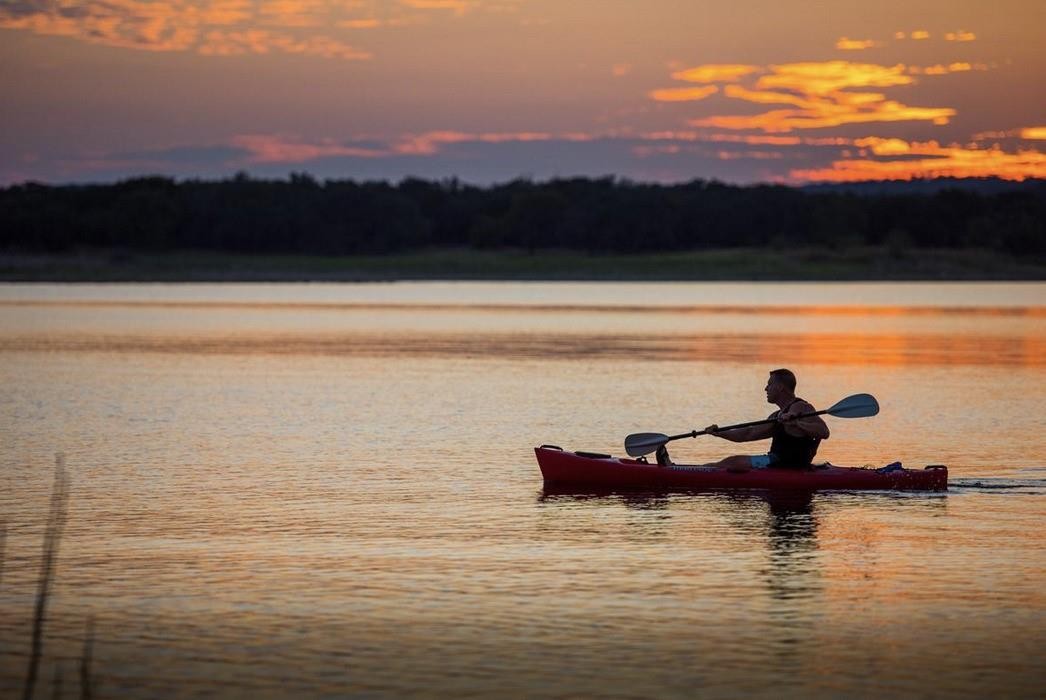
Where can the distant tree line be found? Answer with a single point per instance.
(301, 215)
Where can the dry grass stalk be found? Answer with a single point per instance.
(52, 537)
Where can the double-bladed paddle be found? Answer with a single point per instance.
(856, 406)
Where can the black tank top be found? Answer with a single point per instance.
(792, 451)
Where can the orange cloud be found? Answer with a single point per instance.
(120, 23)
(784, 120)
(687, 94)
(766, 96)
(917, 35)
(260, 41)
(935, 161)
(715, 73)
(940, 69)
(459, 7)
(210, 27)
(724, 138)
(823, 77)
(620, 70)
(988, 135)
(960, 36)
(291, 13)
(819, 92)
(224, 12)
(858, 98)
(1031, 133)
(884, 147)
(846, 44)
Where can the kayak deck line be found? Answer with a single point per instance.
(561, 467)
(687, 468)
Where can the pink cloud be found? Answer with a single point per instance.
(269, 148)
(277, 148)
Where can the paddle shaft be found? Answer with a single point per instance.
(749, 424)
(856, 406)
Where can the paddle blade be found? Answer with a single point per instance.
(856, 406)
(639, 444)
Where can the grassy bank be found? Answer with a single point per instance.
(727, 264)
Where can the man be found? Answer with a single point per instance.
(794, 441)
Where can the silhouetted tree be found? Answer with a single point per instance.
(301, 215)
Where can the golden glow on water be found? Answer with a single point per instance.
(275, 500)
(805, 348)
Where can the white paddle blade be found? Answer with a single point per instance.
(639, 444)
(856, 406)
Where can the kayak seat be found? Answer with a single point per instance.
(551, 447)
(592, 455)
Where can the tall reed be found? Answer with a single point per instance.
(3, 545)
(55, 524)
(87, 684)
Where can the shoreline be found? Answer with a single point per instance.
(731, 264)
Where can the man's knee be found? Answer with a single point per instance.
(737, 464)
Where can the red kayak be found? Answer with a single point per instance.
(585, 469)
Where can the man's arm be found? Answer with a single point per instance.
(755, 432)
(810, 426)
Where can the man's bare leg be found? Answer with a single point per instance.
(737, 464)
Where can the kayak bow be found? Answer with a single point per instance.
(582, 469)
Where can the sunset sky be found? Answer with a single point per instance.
(658, 90)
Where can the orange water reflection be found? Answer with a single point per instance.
(899, 349)
(846, 348)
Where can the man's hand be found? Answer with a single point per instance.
(786, 416)
(712, 429)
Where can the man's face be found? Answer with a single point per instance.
(773, 390)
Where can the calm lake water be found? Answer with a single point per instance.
(329, 490)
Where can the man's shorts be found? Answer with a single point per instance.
(763, 461)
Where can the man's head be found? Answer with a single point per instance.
(780, 385)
